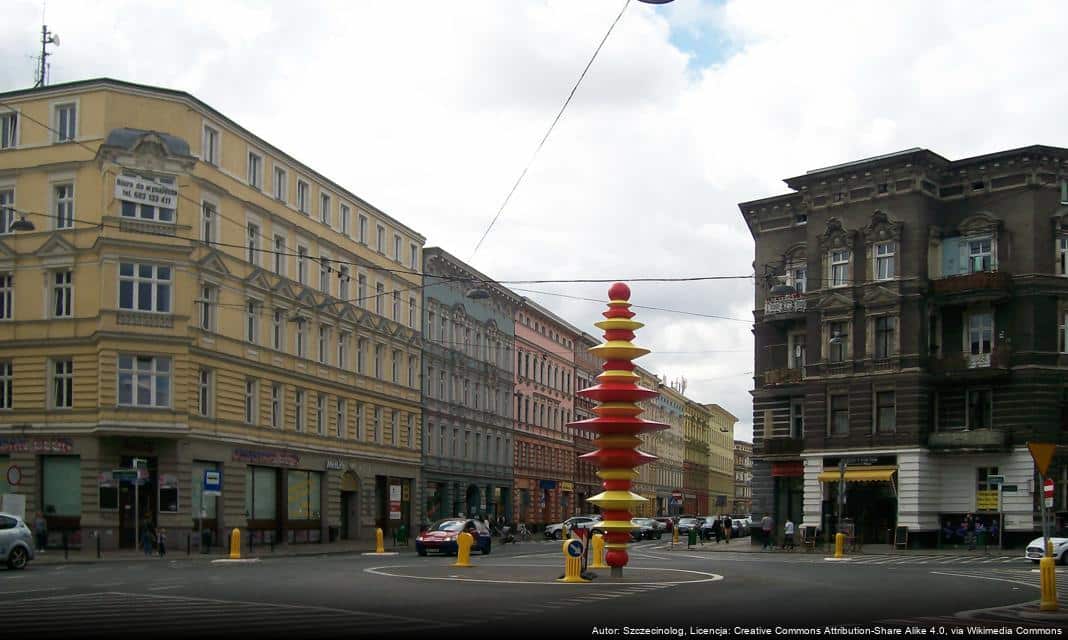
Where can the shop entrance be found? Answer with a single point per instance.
(129, 528)
(350, 506)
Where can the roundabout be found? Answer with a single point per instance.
(542, 574)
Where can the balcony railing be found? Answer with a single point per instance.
(977, 439)
(793, 303)
(991, 282)
(782, 376)
(999, 359)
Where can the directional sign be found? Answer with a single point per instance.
(1042, 454)
(574, 548)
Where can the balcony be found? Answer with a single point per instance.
(774, 377)
(782, 446)
(787, 307)
(984, 286)
(964, 366)
(968, 440)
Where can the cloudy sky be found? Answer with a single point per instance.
(430, 109)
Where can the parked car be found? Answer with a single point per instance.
(441, 536)
(556, 531)
(645, 529)
(1036, 549)
(687, 523)
(668, 522)
(16, 541)
(739, 528)
(709, 525)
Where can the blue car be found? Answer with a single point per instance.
(441, 536)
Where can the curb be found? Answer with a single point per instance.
(195, 557)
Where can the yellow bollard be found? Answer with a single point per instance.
(463, 550)
(674, 535)
(573, 562)
(598, 552)
(379, 546)
(1048, 579)
(839, 544)
(235, 544)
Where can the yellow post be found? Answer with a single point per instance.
(463, 550)
(598, 552)
(839, 544)
(563, 531)
(379, 546)
(1048, 579)
(674, 535)
(235, 544)
(573, 562)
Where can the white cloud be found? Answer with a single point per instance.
(431, 109)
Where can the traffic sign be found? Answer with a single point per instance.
(212, 483)
(574, 548)
(1042, 454)
(1047, 492)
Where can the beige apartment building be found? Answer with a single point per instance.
(193, 297)
(720, 459)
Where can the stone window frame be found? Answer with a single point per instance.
(882, 229)
(836, 238)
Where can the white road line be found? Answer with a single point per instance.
(107, 584)
(161, 588)
(8, 593)
(967, 575)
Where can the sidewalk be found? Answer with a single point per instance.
(747, 545)
(88, 555)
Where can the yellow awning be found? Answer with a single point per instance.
(861, 474)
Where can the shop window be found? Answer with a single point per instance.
(62, 486)
(107, 493)
(261, 489)
(302, 494)
(204, 507)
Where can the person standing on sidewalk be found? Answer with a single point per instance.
(40, 531)
(767, 528)
(161, 541)
(788, 535)
(728, 526)
(969, 531)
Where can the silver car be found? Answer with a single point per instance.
(16, 541)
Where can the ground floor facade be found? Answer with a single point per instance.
(199, 489)
(451, 495)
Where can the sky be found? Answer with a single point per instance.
(431, 109)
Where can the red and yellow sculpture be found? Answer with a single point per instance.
(617, 424)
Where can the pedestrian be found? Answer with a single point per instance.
(717, 528)
(146, 537)
(40, 531)
(969, 531)
(788, 534)
(767, 528)
(728, 527)
(161, 541)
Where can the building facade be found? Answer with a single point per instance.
(188, 297)
(468, 385)
(695, 466)
(743, 478)
(587, 368)
(544, 405)
(721, 476)
(645, 484)
(670, 445)
(909, 341)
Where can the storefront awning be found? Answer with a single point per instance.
(861, 474)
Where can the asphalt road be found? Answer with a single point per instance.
(511, 592)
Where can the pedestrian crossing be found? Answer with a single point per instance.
(101, 613)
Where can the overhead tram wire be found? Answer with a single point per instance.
(552, 126)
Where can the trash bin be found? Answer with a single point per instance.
(691, 537)
(401, 537)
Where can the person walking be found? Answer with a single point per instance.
(40, 531)
(727, 529)
(969, 531)
(788, 535)
(767, 529)
(161, 541)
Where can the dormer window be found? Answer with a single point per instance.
(839, 268)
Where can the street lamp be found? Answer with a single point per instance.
(22, 224)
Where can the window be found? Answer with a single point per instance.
(9, 127)
(320, 413)
(884, 260)
(797, 277)
(381, 239)
(301, 322)
(396, 247)
(414, 262)
(7, 210)
(66, 122)
(797, 418)
(278, 329)
(209, 150)
(376, 425)
(362, 235)
(361, 290)
(342, 418)
(441, 387)
(279, 254)
(204, 392)
(343, 282)
(253, 243)
(61, 480)
(409, 432)
(361, 348)
(344, 214)
(796, 356)
(131, 209)
(359, 421)
(980, 332)
(839, 415)
(343, 350)
(838, 341)
(324, 274)
(62, 384)
(1062, 256)
(395, 365)
(209, 222)
(396, 306)
(144, 381)
(281, 182)
(324, 340)
(302, 265)
(6, 379)
(980, 257)
(251, 394)
(380, 292)
(378, 361)
(63, 196)
(252, 321)
(276, 405)
(144, 287)
(209, 296)
(411, 312)
(429, 325)
(411, 371)
(839, 268)
(394, 427)
(62, 292)
(885, 412)
(6, 296)
(324, 210)
(980, 409)
(298, 407)
(885, 336)
(302, 197)
(255, 170)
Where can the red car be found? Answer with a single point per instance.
(441, 536)
(669, 523)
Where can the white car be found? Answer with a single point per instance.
(555, 531)
(1036, 549)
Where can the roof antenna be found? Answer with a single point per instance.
(47, 38)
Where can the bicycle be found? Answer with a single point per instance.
(522, 533)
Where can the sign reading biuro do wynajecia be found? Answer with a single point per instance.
(141, 191)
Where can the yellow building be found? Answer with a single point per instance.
(645, 484)
(696, 421)
(720, 459)
(193, 297)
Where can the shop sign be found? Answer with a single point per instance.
(36, 445)
(335, 464)
(986, 500)
(137, 189)
(547, 484)
(567, 486)
(253, 456)
(394, 502)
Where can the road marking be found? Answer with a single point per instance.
(967, 575)
(7, 593)
(709, 577)
(107, 584)
(161, 588)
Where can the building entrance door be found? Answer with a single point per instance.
(130, 529)
(350, 515)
